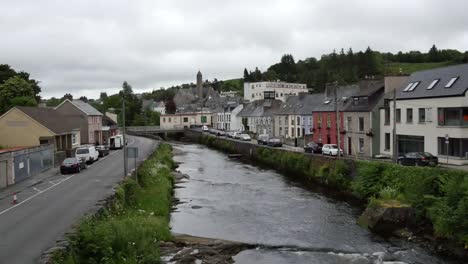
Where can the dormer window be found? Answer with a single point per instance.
(413, 86)
(407, 87)
(433, 83)
(451, 82)
(327, 102)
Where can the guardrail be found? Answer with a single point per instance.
(156, 129)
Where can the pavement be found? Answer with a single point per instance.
(50, 204)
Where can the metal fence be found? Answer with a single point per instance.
(32, 161)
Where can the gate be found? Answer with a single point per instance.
(3, 174)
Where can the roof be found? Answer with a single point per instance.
(50, 118)
(302, 104)
(260, 108)
(107, 121)
(370, 94)
(84, 107)
(444, 75)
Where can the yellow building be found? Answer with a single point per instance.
(31, 126)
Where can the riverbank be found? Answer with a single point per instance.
(438, 197)
(134, 222)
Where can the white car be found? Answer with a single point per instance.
(87, 153)
(244, 137)
(236, 135)
(205, 129)
(331, 149)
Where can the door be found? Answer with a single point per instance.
(350, 146)
(3, 174)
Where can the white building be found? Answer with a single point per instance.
(430, 105)
(272, 90)
(185, 120)
(226, 118)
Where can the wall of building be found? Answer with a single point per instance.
(324, 133)
(179, 121)
(353, 134)
(18, 129)
(430, 129)
(75, 115)
(255, 91)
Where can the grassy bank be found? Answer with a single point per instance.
(438, 195)
(134, 222)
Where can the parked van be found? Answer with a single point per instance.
(89, 154)
(116, 142)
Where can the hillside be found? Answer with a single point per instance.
(408, 68)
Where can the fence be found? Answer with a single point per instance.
(18, 165)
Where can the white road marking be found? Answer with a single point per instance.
(29, 198)
(36, 189)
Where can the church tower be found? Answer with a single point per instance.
(199, 85)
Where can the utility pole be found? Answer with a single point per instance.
(338, 119)
(395, 145)
(124, 138)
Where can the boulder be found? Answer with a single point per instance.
(385, 218)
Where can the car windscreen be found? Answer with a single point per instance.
(274, 140)
(82, 151)
(427, 154)
(70, 160)
(333, 147)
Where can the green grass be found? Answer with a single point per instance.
(408, 68)
(131, 227)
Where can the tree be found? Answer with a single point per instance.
(84, 99)
(246, 76)
(103, 96)
(53, 102)
(23, 101)
(12, 88)
(433, 54)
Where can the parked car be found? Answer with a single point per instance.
(244, 137)
(205, 128)
(331, 149)
(72, 165)
(274, 142)
(418, 159)
(313, 147)
(88, 153)
(103, 150)
(229, 134)
(236, 134)
(263, 139)
(221, 133)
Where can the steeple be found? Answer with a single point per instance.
(199, 84)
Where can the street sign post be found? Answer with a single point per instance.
(132, 152)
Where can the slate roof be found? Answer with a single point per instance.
(426, 77)
(302, 104)
(369, 95)
(86, 108)
(50, 118)
(260, 108)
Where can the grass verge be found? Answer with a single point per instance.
(133, 223)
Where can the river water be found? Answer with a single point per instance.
(231, 200)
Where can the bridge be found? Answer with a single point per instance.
(153, 131)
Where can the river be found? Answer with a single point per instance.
(231, 200)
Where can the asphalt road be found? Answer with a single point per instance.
(32, 227)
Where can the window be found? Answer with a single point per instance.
(409, 115)
(387, 141)
(203, 119)
(310, 120)
(292, 121)
(298, 121)
(361, 145)
(457, 147)
(292, 131)
(164, 119)
(408, 87)
(298, 131)
(349, 123)
(387, 116)
(433, 83)
(398, 115)
(454, 116)
(328, 120)
(361, 124)
(413, 86)
(73, 138)
(451, 82)
(276, 95)
(185, 119)
(422, 115)
(253, 95)
(170, 120)
(355, 101)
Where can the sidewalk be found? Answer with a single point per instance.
(31, 181)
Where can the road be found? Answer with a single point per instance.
(46, 211)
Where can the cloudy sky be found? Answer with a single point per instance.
(84, 47)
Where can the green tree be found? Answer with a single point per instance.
(13, 88)
(53, 102)
(23, 101)
(433, 54)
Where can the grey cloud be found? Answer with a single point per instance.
(85, 47)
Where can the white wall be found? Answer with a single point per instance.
(429, 129)
(255, 91)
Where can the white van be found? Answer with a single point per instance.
(87, 153)
(116, 142)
